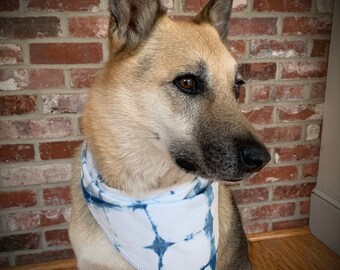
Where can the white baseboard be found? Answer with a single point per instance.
(325, 219)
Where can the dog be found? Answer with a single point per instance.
(161, 116)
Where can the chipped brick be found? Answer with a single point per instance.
(11, 54)
(89, 26)
(273, 174)
(35, 175)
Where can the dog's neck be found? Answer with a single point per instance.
(134, 172)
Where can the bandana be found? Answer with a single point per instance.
(172, 229)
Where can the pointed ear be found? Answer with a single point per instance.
(132, 20)
(217, 13)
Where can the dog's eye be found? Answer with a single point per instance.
(187, 84)
(237, 87)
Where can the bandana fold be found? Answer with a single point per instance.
(172, 229)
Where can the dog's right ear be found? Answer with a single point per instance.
(132, 21)
(217, 13)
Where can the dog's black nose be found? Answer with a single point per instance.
(254, 157)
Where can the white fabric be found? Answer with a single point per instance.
(172, 230)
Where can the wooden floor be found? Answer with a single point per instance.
(303, 252)
(294, 249)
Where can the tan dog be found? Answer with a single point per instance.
(163, 111)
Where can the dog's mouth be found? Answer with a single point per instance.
(186, 165)
(192, 167)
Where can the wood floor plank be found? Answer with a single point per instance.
(278, 234)
(303, 252)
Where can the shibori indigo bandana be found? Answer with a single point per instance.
(170, 230)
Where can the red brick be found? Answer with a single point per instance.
(19, 242)
(289, 92)
(273, 174)
(194, 5)
(258, 71)
(242, 96)
(23, 221)
(324, 5)
(41, 128)
(300, 112)
(23, 198)
(89, 26)
(83, 77)
(320, 48)
(305, 207)
(243, 196)
(237, 48)
(282, 5)
(289, 224)
(57, 150)
(45, 256)
(298, 152)
(281, 134)
(17, 105)
(35, 175)
(29, 27)
(4, 261)
(31, 79)
(9, 5)
(307, 25)
(255, 228)
(260, 115)
(186, 18)
(313, 132)
(11, 54)
(54, 217)
(57, 196)
(318, 90)
(265, 48)
(57, 238)
(304, 70)
(62, 5)
(310, 170)
(16, 152)
(63, 103)
(66, 53)
(268, 211)
(291, 192)
(252, 26)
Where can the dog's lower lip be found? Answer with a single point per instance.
(233, 179)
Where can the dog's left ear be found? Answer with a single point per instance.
(217, 13)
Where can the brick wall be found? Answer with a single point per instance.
(49, 54)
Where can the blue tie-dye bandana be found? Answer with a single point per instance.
(174, 229)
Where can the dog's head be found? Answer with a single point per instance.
(176, 85)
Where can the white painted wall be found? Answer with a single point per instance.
(325, 201)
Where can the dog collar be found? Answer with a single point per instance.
(175, 229)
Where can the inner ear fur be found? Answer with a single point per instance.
(217, 13)
(132, 20)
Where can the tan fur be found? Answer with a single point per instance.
(132, 116)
